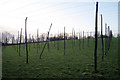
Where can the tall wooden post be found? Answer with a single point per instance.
(29, 41)
(102, 40)
(37, 41)
(20, 41)
(64, 40)
(26, 40)
(88, 38)
(79, 40)
(54, 41)
(58, 42)
(72, 37)
(83, 39)
(95, 53)
(105, 39)
(108, 37)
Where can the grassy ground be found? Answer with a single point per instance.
(76, 63)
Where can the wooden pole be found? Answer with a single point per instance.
(33, 41)
(79, 40)
(54, 41)
(58, 42)
(64, 40)
(29, 41)
(72, 37)
(26, 40)
(95, 53)
(102, 40)
(88, 38)
(20, 41)
(46, 41)
(83, 39)
(37, 41)
(105, 39)
(108, 38)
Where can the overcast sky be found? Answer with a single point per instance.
(70, 13)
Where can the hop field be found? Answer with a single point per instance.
(78, 62)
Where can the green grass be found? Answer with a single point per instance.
(76, 63)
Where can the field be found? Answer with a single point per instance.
(76, 63)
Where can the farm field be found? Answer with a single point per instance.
(76, 63)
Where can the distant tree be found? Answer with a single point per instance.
(42, 37)
(6, 37)
(111, 35)
(13, 39)
(118, 35)
(33, 39)
(98, 34)
(29, 40)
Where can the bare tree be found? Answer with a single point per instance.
(13, 39)
(6, 37)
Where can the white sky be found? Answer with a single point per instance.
(41, 13)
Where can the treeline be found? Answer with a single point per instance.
(9, 39)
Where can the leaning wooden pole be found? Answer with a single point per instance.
(102, 39)
(46, 41)
(26, 40)
(64, 40)
(95, 52)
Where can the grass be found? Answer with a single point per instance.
(77, 63)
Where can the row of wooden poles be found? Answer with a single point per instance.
(47, 41)
(107, 39)
(73, 32)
